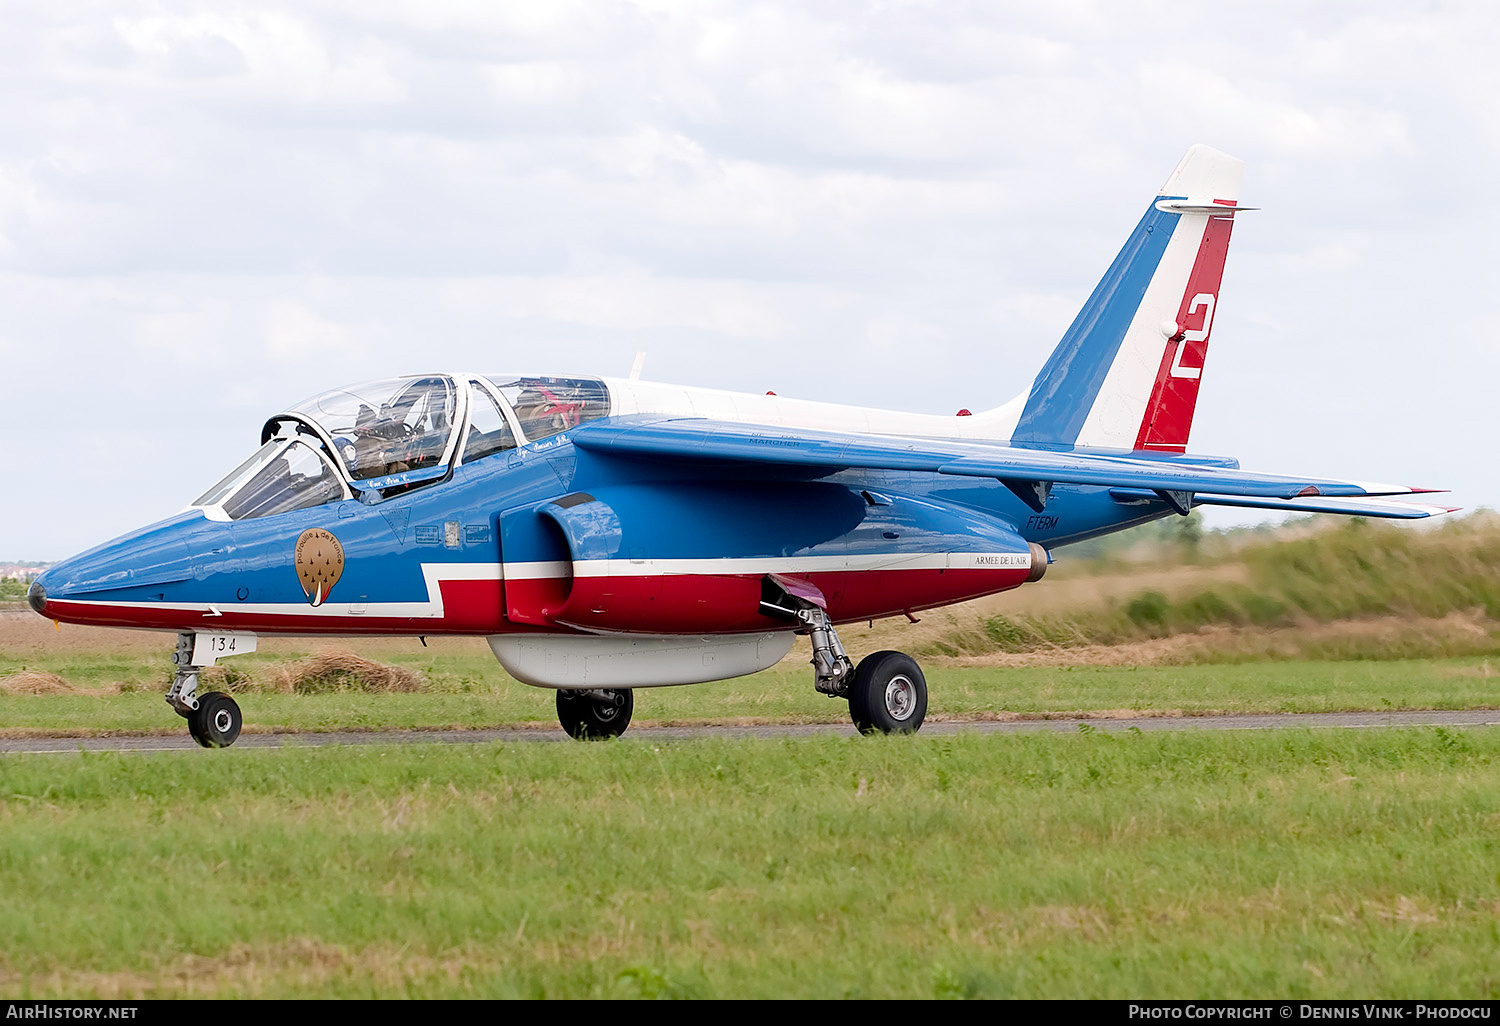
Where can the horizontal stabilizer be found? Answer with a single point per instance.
(1357, 506)
(1211, 209)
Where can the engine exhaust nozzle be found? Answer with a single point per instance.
(1039, 561)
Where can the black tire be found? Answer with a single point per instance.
(888, 694)
(216, 722)
(587, 718)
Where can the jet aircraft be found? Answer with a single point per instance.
(610, 534)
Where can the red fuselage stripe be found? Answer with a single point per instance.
(663, 604)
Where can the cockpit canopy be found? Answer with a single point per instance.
(386, 427)
(549, 406)
(378, 439)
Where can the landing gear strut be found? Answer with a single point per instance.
(887, 693)
(596, 713)
(831, 665)
(214, 719)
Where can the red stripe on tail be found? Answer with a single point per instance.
(1174, 396)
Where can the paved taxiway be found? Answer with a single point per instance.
(182, 742)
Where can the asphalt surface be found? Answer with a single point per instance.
(1270, 721)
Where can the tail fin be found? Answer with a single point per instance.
(1126, 374)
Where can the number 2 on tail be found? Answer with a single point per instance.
(1204, 301)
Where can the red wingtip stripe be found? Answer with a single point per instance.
(1429, 491)
(1227, 203)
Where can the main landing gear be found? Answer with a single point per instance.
(213, 719)
(594, 714)
(887, 693)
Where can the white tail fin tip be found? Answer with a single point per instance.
(1205, 175)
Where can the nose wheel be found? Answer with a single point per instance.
(216, 722)
(596, 713)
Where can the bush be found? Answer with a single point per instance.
(1148, 609)
(1355, 570)
(1207, 608)
(1009, 636)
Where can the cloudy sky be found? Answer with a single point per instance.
(211, 210)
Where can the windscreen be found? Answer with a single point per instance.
(386, 427)
(295, 478)
(216, 494)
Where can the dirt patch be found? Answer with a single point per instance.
(1377, 637)
(25, 633)
(38, 682)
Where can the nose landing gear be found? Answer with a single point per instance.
(214, 719)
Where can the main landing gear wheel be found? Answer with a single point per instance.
(595, 714)
(888, 694)
(216, 722)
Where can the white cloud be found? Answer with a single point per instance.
(216, 193)
(267, 53)
(295, 334)
(1328, 258)
(194, 334)
(631, 300)
(896, 331)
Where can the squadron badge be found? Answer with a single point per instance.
(320, 562)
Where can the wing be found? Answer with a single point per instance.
(1178, 480)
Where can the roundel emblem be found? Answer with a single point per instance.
(320, 562)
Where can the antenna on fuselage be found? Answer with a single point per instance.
(638, 366)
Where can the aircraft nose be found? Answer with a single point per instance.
(118, 583)
(36, 596)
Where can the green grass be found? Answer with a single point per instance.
(1290, 863)
(785, 694)
(450, 665)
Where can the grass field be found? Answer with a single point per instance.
(1291, 863)
(785, 695)
(1288, 863)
